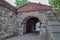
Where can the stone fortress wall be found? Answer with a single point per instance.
(7, 22)
(10, 22)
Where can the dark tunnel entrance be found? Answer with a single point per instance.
(31, 24)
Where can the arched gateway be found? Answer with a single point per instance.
(26, 19)
(30, 24)
(30, 15)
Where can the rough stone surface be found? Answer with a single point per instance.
(11, 24)
(23, 17)
(7, 22)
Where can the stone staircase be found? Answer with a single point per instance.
(54, 26)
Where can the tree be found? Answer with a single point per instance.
(55, 4)
(20, 3)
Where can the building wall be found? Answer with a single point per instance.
(23, 17)
(7, 22)
(12, 24)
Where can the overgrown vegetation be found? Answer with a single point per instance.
(20, 3)
(55, 4)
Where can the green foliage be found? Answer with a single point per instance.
(20, 3)
(55, 3)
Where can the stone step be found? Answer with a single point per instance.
(56, 36)
(58, 14)
(52, 19)
(55, 28)
(50, 14)
(58, 17)
(53, 23)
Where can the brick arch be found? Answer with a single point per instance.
(25, 20)
(28, 17)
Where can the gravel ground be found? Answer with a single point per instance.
(29, 36)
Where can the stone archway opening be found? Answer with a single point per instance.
(31, 24)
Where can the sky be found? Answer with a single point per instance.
(46, 2)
